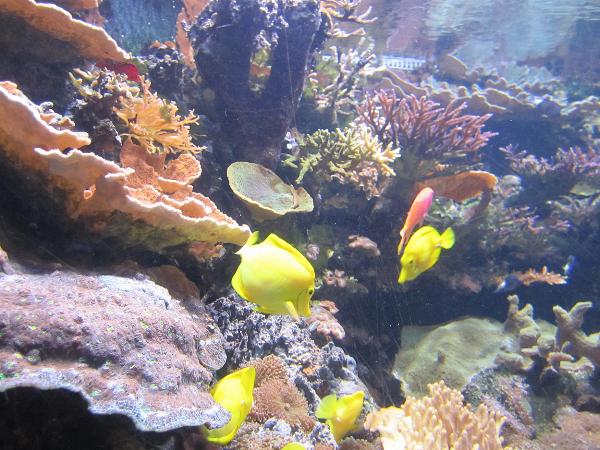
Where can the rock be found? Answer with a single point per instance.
(124, 345)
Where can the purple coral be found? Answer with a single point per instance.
(420, 126)
(573, 161)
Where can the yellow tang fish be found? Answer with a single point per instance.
(234, 393)
(294, 446)
(422, 251)
(341, 413)
(275, 276)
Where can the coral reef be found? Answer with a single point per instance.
(439, 420)
(571, 338)
(428, 134)
(125, 345)
(352, 156)
(155, 123)
(265, 194)
(322, 320)
(226, 37)
(96, 191)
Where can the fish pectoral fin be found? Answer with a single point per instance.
(291, 309)
(326, 408)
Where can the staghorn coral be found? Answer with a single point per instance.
(437, 421)
(155, 123)
(571, 338)
(352, 155)
(346, 11)
(338, 78)
(426, 133)
(281, 399)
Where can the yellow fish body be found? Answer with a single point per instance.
(234, 393)
(275, 276)
(422, 251)
(294, 446)
(341, 413)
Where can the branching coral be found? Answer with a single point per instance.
(571, 338)
(423, 130)
(336, 11)
(338, 78)
(438, 421)
(543, 276)
(155, 123)
(352, 155)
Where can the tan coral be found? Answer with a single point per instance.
(437, 422)
(282, 400)
(155, 123)
(571, 338)
(190, 11)
(543, 276)
(90, 41)
(322, 320)
(363, 243)
(265, 194)
(269, 368)
(95, 189)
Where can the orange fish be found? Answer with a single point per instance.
(416, 214)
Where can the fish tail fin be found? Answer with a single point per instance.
(447, 238)
(326, 409)
(253, 239)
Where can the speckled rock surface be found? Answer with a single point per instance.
(316, 371)
(124, 344)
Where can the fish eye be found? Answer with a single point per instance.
(311, 291)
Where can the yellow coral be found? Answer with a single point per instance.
(439, 421)
(352, 155)
(155, 123)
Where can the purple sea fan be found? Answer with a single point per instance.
(420, 127)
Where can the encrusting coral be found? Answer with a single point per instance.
(438, 421)
(96, 191)
(352, 155)
(322, 320)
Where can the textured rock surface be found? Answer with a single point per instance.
(316, 371)
(125, 345)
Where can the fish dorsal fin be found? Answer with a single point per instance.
(253, 239)
(423, 231)
(326, 409)
(275, 240)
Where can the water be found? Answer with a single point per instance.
(131, 282)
